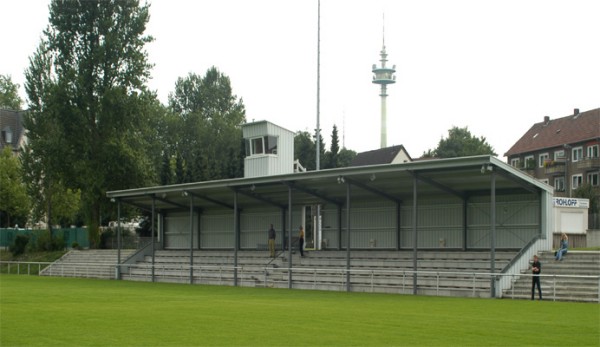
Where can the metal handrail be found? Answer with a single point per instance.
(372, 273)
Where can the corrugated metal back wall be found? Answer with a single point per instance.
(373, 224)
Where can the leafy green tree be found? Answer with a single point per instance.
(208, 128)
(14, 202)
(345, 157)
(9, 94)
(90, 110)
(305, 150)
(332, 155)
(460, 143)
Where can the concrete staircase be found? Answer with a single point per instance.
(446, 273)
(555, 287)
(96, 263)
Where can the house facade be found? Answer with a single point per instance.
(12, 132)
(388, 155)
(563, 153)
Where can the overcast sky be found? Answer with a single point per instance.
(496, 67)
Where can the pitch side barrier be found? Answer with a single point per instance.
(520, 262)
(362, 280)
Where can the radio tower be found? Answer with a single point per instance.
(383, 76)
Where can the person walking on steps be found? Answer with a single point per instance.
(301, 241)
(536, 268)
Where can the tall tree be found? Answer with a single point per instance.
(332, 155)
(345, 157)
(460, 143)
(305, 150)
(14, 201)
(87, 84)
(9, 94)
(209, 126)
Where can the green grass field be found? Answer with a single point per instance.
(48, 311)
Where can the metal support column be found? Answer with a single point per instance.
(493, 233)
(348, 236)
(191, 239)
(464, 226)
(283, 229)
(152, 233)
(398, 243)
(290, 237)
(236, 229)
(118, 275)
(339, 234)
(415, 234)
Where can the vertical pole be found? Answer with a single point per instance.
(282, 229)
(318, 87)
(493, 234)
(290, 237)
(118, 239)
(415, 235)
(348, 236)
(398, 242)
(464, 226)
(383, 116)
(152, 233)
(339, 234)
(235, 238)
(191, 239)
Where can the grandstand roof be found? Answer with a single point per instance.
(463, 177)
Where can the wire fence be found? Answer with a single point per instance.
(401, 281)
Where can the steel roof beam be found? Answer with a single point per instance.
(214, 201)
(167, 201)
(313, 192)
(373, 190)
(442, 187)
(259, 197)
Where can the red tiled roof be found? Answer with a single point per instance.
(575, 128)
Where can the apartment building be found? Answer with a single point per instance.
(562, 152)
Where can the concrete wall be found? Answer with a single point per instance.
(593, 238)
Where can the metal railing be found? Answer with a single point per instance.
(365, 280)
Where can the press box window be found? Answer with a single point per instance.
(261, 145)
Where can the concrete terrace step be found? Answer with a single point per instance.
(86, 263)
(383, 271)
(556, 280)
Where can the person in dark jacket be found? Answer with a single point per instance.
(272, 241)
(536, 268)
(301, 241)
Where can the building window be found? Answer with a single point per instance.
(577, 181)
(542, 158)
(7, 135)
(559, 184)
(257, 146)
(261, 145)
(577, 154)
(529, 162)
(592, 151)
(592, 178)
(271, 144)
(515, 162)
(559, 154)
